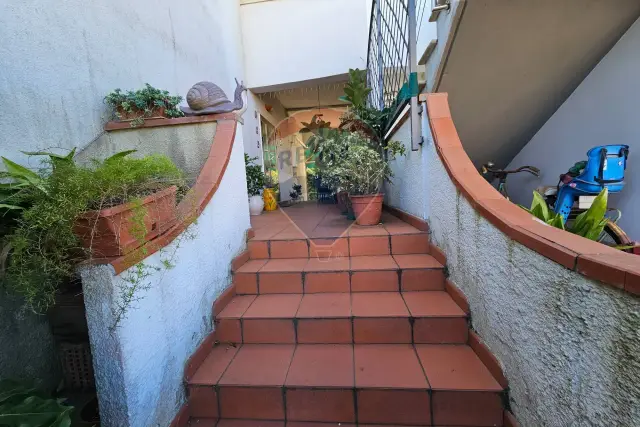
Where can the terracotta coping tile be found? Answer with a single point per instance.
(457, 295)
(587, 257)
(510, 420)
(223, 300)
(238, 261)
(487, 358)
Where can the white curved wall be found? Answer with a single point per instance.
(139, 366)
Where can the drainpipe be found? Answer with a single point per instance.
(416, 135)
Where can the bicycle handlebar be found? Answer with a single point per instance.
(490, 167)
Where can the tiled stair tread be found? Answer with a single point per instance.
(357, 263)
(371, 366)
(342, 305)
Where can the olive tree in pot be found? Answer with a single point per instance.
(255, 184)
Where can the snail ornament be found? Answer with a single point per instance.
(207, 98)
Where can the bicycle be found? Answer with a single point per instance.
(612, 235)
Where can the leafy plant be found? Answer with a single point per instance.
(255, 177)
(540, 210)
(356, 90)
(271, 179)
(315, 124)
(143, 103)
(22, 406)
(589, 224)
(45, 248)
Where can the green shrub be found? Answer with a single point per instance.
(255, 177)
(45, 251)
(144, 101)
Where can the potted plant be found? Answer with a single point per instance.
(255, 184)
(269, 192)
(143, 104)
(78, 213)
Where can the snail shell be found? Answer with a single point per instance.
(205, 94)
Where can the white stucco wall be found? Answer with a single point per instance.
(294, 40)
(59, 60)
(139, 366)
(408, 190)
(568, 345)
(602, 110)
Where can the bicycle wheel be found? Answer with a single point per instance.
(613, 235)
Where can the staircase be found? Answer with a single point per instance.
(342, 326)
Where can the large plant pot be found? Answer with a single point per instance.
(256, 205)
(114, 231)
(270, 201)
(367, 209)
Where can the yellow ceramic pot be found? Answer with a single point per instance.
(269, 197)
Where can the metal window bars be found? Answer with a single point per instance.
(392, 59)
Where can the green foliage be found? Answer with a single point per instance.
(143, 102)
(347, 161)
(356, 90)
(589, 224)
(255, 177)
(45, 249)
(540, 210)
(315, 124)
(22, 406)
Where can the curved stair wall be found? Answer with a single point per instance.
(139, 364)
(560, 313)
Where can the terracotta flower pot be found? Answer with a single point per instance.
(111, 232)
(367, 209)
(128, 116)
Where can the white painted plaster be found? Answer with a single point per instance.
(60, 59)
(602, 110)
(569, 346)
(139, 366)
(408, 189)
(291, 40)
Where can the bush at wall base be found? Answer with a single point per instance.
(63, 199)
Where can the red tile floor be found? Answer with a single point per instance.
(337, 324)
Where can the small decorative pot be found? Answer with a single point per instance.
(256, 205)
(367, 209)
(110, 232)
(269, 197)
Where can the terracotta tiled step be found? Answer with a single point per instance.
(389, 384)
(374, 273)
(340, 318)
(364, 242)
